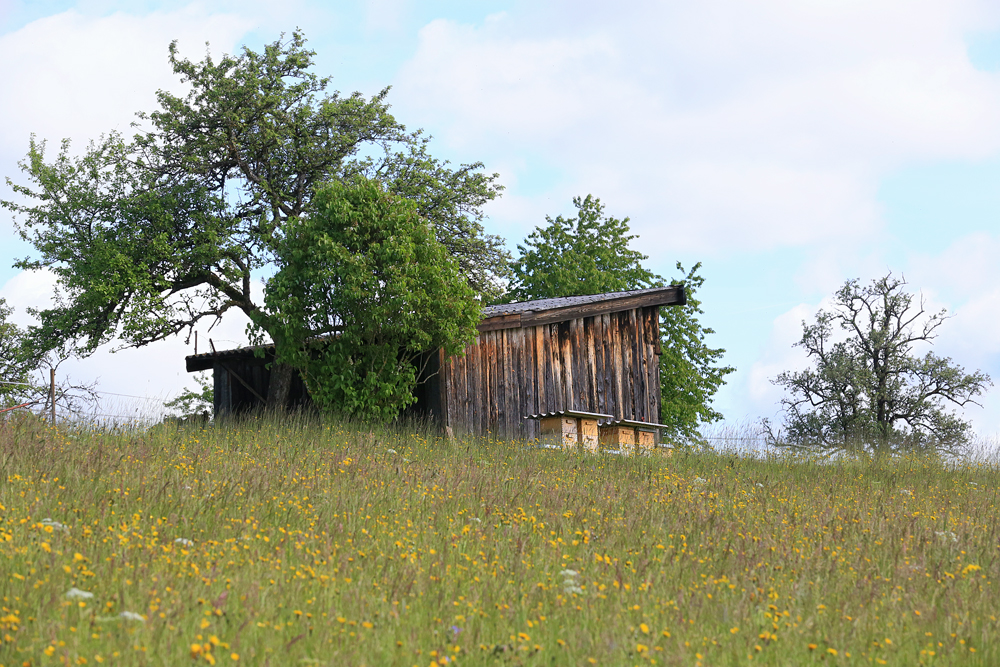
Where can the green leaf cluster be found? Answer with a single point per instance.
(194, 402)
(590, 254)
(363, 290)
(148, 236)
(18, 360)
(586, 254)
(866, 389)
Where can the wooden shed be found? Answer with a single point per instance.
(597, 353)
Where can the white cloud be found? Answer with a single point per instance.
(77, 76)
(778, 355)
(717, 126)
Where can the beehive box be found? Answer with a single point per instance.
(588, 432)
(617, 436)
(561, 431)
(645, 438)
(569, 431)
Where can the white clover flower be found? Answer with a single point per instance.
(699, 481)
(76, 594)
(184, 542)
(131, 616)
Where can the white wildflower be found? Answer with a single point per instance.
(76, 594)
(946, 535)
(700, 481)
(184, 542)
(131, 616)
(476, 519)
(759, 485)
(570, 584)
(392, 451)
(907, 492)
(54, 525)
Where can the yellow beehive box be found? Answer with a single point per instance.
(617, 436)
(569, 429)
(588, 432)
(559, 431)
(645, 438)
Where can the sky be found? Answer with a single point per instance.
(787, 145)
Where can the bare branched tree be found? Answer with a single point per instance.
(869, 390)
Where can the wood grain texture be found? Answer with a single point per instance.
(603, 362)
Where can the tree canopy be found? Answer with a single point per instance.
(148, 236)
(586, 254)
(17, 360)
(365, 290)
(866, 388)
(590, 254)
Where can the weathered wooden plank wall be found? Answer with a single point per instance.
(605, 363)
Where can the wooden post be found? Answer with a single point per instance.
(52, 393)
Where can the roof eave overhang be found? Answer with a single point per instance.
(672, 296)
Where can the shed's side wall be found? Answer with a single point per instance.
(606, 363)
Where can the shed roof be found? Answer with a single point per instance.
(547, 311)
(516, 315)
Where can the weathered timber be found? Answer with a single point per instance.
(594, 353)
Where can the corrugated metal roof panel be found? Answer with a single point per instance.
(570, 413)
(568, 301)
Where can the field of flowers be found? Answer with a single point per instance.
(301, 544)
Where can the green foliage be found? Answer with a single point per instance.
(364, 288)
(868, 390)
(293, 535)
(194, 402)
(18, 360)
(590, 254)
(151, 235)
(690, 370)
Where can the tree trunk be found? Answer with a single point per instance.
(279, 387)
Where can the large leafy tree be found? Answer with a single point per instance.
(148, 236)
(867, 389)
(586, 254)
(590, 254)
(364, 290)
(18, 362)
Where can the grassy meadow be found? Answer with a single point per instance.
(302, 544)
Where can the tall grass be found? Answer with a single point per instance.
(271, 543)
